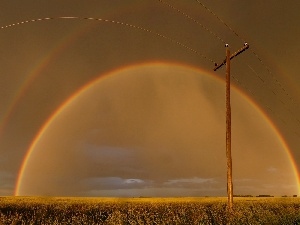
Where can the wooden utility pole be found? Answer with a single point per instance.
(228, 120)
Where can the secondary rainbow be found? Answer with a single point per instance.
(59, 47)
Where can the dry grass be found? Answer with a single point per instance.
(47, 210)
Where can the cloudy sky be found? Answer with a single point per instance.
(119, 98)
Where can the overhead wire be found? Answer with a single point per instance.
(222, 21)
(252, 51)
(275, 80)
(192, 19)
(113, 22)
(173, 40)
(277, 115)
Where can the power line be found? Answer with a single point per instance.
(267, 106)
(222, 21)
(275, 80)
(220, 39)
(188, 48)
(252, 51)
(278, 84)
(192, 19)
(113, 22)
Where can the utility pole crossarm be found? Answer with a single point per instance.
(244, 48)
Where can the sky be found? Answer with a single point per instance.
(119, 98)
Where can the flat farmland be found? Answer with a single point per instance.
(206, 210)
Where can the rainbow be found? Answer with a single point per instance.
(63, 44)
(39, 66)
(86, 87)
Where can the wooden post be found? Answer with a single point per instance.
(228, 132)
(228, 119)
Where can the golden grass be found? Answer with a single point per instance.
(202, 210)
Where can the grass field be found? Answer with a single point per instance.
(210, 210)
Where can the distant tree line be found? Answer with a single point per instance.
(248, 196)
